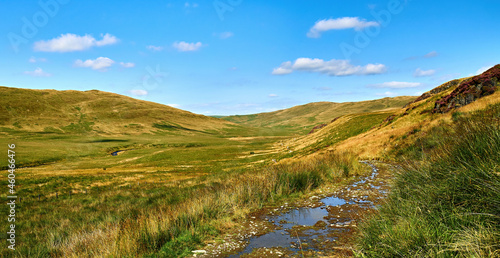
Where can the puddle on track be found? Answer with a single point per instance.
(325, 229)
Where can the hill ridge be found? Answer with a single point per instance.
(93, 110)
(303, 118)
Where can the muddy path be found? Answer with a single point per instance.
(321, 225)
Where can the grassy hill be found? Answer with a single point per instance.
(381, 134)
(445, 200)
(304, 117)
(95, 111)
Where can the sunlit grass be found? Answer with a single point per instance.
(150, 216)
(448, 204)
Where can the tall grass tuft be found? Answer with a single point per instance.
(448, 205)
(181, 219)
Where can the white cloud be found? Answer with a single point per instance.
(373, 69)
(174, 105)
(154, 48)
(333, 67)
(100, 63)
(431, 54)
(38, 73)
(185, 46)
(71, 42)
(127, 65)
(35, 60)
(396, 85)
(483, 69)
(138, 92)
(273, 95)
(285, 68)
(339, 24)
(423, 73)
(224, 35)
(107, 39)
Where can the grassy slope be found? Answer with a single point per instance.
(303, 118)
(445, 201)
(76, 191)
(448, 204)
(410, 123)
(94, 111)
(341, 129)
(75, 130)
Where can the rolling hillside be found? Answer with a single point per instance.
(95, 111)
(377, 134)
(304, 117)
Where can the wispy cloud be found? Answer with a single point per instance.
(333, 67)
(127, 65)
(138, 92)
(185, 46)
(36, 60)
(38, 72)
(483, 69)
(431, 54)
(339, 24)
(396, 85)
(71, 42)
(272, 95)
(428, 55)
(447, 77)
(190, 5)
(154, 48)
(174, 105)
(224, 35)
(387, 94)
(423, 73)
(100, 63)
(323, 88)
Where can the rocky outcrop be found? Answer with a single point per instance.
(435, 91)
(470, 90)
(317, 128)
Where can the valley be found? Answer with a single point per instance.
(100, 174)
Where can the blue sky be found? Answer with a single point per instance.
(223, 57)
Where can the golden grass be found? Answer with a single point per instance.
(230, 197)
(479, 242)
(376, 143)
(410, 123)
(482, 103)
